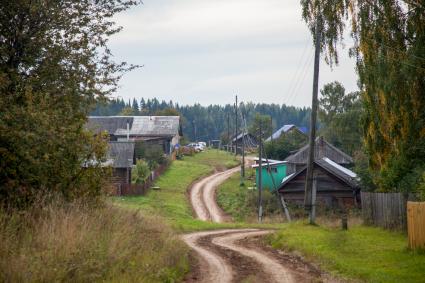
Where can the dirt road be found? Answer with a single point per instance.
(202, 196)
(236, 255)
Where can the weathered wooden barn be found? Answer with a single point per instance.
(335, 184)
(322, 149)
(247, 138)
(164, 131)
(121, 154)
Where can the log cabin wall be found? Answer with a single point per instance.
(330, 190)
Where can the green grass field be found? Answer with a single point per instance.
(366, 253)
(171, 200)
(361, 253)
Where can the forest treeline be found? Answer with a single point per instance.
(207, 122)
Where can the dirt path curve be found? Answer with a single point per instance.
(202, 196)
(214, 267)
(235, 255)
(270, 265)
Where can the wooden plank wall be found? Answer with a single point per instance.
(386, 210)
(416, 224)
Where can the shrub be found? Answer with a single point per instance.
(140, 173)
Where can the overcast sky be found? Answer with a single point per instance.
(206, 51)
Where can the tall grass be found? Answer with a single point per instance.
(79, 243)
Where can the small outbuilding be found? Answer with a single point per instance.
(121, 154)
(335, 184)
(272, 173)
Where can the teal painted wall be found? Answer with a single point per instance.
(267, 176)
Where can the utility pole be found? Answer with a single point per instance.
(243, 151)
(309, 201)
(271, 127)
(236, 126)
(260, 173)
(194, 130)
(228, 131)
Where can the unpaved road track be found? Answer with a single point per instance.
(202, 196)
(236, 255)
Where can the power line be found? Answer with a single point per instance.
(302, 75)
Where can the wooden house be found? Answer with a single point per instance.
(247, 138)
(164, 131)
(322, 149)
(335, 184)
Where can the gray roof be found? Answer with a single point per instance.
(322, 149)
(239, 136)
(140, 126)
(121, 153)
(284, 129)
(343, 174)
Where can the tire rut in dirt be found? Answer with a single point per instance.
(244, 269)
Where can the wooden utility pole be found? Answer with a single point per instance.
(228, 130)
(271, 127)
(260, 173)
(309, 196)
(243, 151)
(236, 126)
(194, 130)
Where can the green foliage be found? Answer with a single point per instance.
(242, 203)
(127, 111)
(389, 45)
(421, 187)
(140, 173)
(151, 153)
(262, 122)
(283, 146)
(54, 63)
(167, 112)
(171, 200)
(340, 117)
(362, 253)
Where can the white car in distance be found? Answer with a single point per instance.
(198, 147)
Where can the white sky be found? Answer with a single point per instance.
(205, 51)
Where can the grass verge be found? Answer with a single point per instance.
(366, 253)
(171, 200)
(78, 243)
(241, 202)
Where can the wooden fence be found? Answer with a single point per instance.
(386, 210)
(139, 189)
(416, 224)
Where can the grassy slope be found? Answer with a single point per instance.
(231, 197)
(171, 200)
(366, 253)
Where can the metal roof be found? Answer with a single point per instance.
(139, 125)
(108, 123)
(322, 149)
(239, 136)
(284, 129)
(342, 173)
